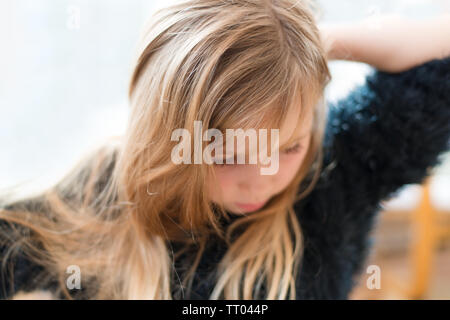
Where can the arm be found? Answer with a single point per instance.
(390, 43)
(17, 272)
(386, 133)
(396, 124)
(21, 278)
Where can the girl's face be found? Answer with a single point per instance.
(241, 188)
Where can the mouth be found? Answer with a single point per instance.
(250, 206)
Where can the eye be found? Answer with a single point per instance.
(222, 164)
(292, 150)
(225, 162)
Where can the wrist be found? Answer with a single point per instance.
(335, 43)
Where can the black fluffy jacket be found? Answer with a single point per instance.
(388, 132)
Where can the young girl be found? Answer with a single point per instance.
(129, 223)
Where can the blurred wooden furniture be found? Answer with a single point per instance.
(427, 232)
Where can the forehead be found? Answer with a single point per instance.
(295, 126)
(292, 115)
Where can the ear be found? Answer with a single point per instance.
(34, 295)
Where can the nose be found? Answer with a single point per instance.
(254, 186)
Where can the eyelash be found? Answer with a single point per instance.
(293, 149)
(225, 163)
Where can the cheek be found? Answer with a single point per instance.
(224, 184)
(225, 178)
(289, 166)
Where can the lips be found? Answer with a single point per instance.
(250, 206)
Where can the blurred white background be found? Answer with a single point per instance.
(65, 66)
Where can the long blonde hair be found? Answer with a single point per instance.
(116, 214)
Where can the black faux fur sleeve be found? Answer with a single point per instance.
(17, 271)
(391, 130)
(386, 133)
